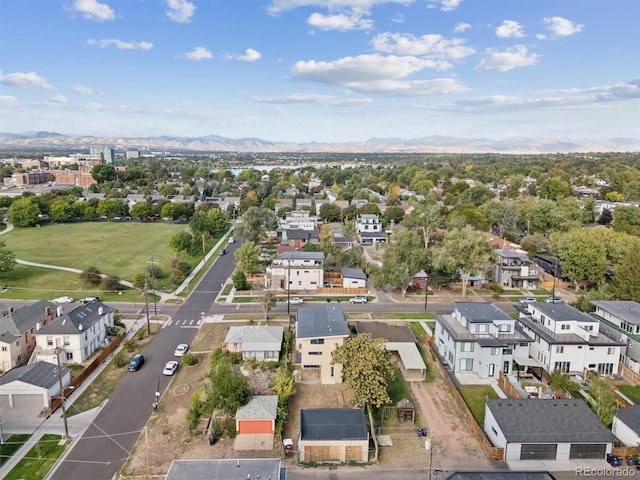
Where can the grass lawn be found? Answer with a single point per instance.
(13, 443)
(398, 388)
(475, 399)
(39, 460)
(632, 392)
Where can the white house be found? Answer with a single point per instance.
(296, 271)
(353, 278)
(368, 223)
(78, 333)
(568, 340)
(479, 337)
(626, 425)
(258, 342)
(621, 320)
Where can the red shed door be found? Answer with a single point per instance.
(255, 426)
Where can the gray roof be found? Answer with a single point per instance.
(297, 255)
(506, 253)
(548, 421)
(15, 324)
(409, 354)
(353, 273)
(77, 320)
(257, 336)
(40, 374)
(480, 312)
(500, 475)
(321, 321)
(561, 312)
(260, 407)
(630, 416)
(333, 424)
(627, 311)
(224, 469)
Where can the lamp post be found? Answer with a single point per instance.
(64, 410)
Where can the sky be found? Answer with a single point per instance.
(321, 70)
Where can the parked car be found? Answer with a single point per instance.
(136, 362)
(64, 299)
(181, 350)
(553, 300)
(232, 240)
(358, 299)
(525, 300)
(170, 368)
(296, 301)
(222, 252)
(86, 300)
(326, 283)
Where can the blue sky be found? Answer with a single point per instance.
(321, 70)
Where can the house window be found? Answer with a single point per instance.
(564, 326)
(4, 349)
(315, 353)
(317, 341)
(332, 371)
(65, 341)
(504, 328)
(482, 328)
(69, 356)
(466, 364)
(49, 342)
(466, 347)
(610, 351)
(495, 351)
(560, 349)
(493, 429)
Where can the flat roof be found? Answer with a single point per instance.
(333, 424)
(321, 321)
(226, 468)
(480, 312)
(409, 354)
(627, 311)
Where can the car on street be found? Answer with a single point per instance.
(553, 300)
(525, 300)
(222, 252)
(86, 300)
(296, 301)
(136, 362)
(63, 299)
(358, 299)
(232, 240)
(181, 350)
(170, 368)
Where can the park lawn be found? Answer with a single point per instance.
(474, 397)
(632, 392)
(13, 443)
(39, 460)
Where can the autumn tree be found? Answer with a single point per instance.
(403, 257)
(367, 369)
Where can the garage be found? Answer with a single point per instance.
(4, 401)
(255, 423)
(538, 451)
(588, 450)
(255, 426)
(30, 400)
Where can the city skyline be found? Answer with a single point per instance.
(321, 70)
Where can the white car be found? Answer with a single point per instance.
(181, 350)
(296, 301)
(86, 300)
(358, 299)
(170, 367)
(64, 299)
(553, 300)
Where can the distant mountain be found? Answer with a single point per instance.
(216, 143)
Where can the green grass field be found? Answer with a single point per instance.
(39, 460)
(475, 397)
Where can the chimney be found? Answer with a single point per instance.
(38, 326)
(80, 327)
(47, 310)
(11, 309)
(59, 311)
(100, 310)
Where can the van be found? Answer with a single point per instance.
(136, 362)
(232, 240)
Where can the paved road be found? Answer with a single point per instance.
(105, 446)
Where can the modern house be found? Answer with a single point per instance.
(479, 337)
(78, 334)
(227, 469)
(319, 330)
(296, 220)
(296, 271)
(32, 385)
(516, 270)
(533, 429)
(262, 343)
(369, 229)
(568, 340)
(353, 278)
(17, 331)
(621, 320)
(333, 435)
(626, 425)
(256, 423)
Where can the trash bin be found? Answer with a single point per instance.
(213, 438)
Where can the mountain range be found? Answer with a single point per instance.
(216, 143)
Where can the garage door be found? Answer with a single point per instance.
(4, 401)
(255, 426)
(322, 453)
(538, 451)
(588, 450)
(28, 401)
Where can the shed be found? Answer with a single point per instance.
(411, 362)
(405, 410)
(32, 386)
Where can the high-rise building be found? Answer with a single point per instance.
(107, 154)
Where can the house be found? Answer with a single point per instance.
(319, 330)
(533, 429)
(298, 238)
(353, 278)
(283, 203)
(621, 320)
(17, 329)
(32, 385)
(420, 280)
(568, 340)
(626, 425)
(333, 435)
(227, 469)
(516, 270)
(79, 333)
(297, 220)
(255, 342)
(368, 222)
(479, 337)
(296, 271)
(256, 423)
(304, 204)
(367, 239)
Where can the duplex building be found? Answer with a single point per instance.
(479, 337)
(516, 270)
(569, 340)
(621, 320)
(296, 271)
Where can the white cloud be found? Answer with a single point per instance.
(59, 99)
(250, 55)
(199, 53)
(120, 44)
(311, 98)
(510, 29)
(82, 90)
(503, 61)
(411, 88)
(461, 27)
(339, 22)
(279, 6)
(561, 27)
(21, 79)
(93, 10)
(433, 45)
(9, 101)
(445, 5)
(180, 11)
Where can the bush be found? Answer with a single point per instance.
(239, 280)
(231, 430)
(110, 283)
(189, 359)
(118, 360)
(235, 358)
(217, 428)
(91, 276)
(129, 345)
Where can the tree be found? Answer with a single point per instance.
(464, 250)
(181, 242)
(284, 385)
(268, 302)
(349, 229)
(535, 244)
(59, 210)
(229, 390)
(403, 257)
(140, 210)
(255, 223)
(91, 275)
(248, 257)
(367, 368)
(111, 207)
(7, 258)
(554, 189)
(606, 217)
(239, 280)
(393, 215)
(330, 212)
(582, 255)
(626, 219)
(210, 222)
(103, 173)
(427, 218)
(604, 400)
(626, 278)
(23, 212)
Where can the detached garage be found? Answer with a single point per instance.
(31, 386)
(256, 423)
(534, 429)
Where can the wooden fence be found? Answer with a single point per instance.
(507, 387)
(55, 402)
(628, 374)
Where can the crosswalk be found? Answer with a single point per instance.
(191, 323)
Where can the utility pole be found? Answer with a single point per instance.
(426, 289)
(289, 286)
(64, 409)
(146, 309)
(153, 283)
(429, 445)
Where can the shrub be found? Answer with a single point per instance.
(239, 280)
(217, 428)
(129, 345)
(118, 360)
(231, 430)
(91, 276)
(189, 359)
(140, 334)
(235, 358)
(111, 282)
